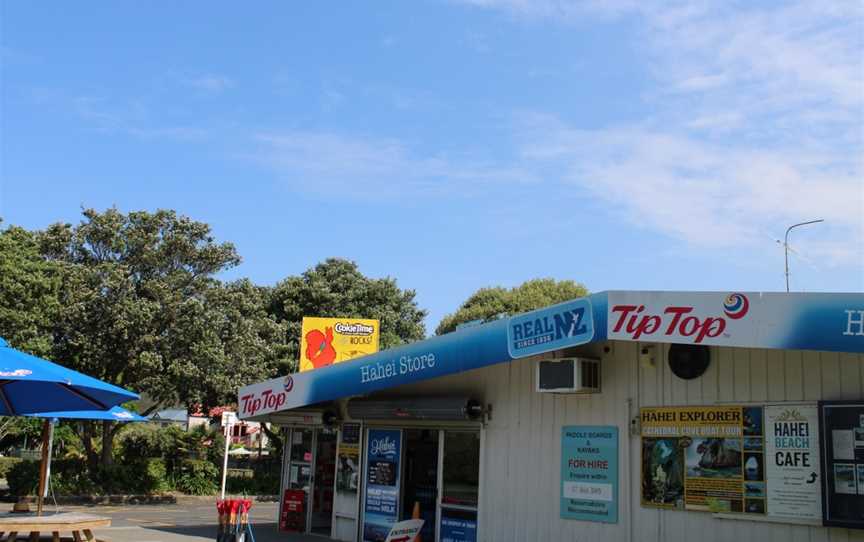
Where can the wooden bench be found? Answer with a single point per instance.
(13, 525)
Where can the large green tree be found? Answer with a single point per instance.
(29, 288)
(336, 288)
(141, 308)
(488, 303)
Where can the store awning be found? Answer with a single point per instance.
(831, 322)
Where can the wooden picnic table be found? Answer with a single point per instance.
(62, 522)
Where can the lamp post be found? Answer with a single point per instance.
(786, 244)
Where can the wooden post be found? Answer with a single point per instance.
(43, 467)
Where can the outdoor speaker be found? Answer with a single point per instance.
(689, 361)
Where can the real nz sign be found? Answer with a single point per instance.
(552, 328)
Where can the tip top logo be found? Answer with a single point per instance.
(634, 321)
(736, 306)
(288, 384)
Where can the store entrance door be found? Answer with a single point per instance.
(420, 488)
(324, 481)
(310, 472)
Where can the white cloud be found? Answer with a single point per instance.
(367, 167)
(704, 193)
(756, 122)
(131, 117)
(210, 82)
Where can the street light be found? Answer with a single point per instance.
(786, 244)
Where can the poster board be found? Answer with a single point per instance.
(348, 459)
(693, 458)
(458, 525)
(327, 341)
(383, 466)
(589, 473)
(758, 460)
(842, 439)
(792, 463)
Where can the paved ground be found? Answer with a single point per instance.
(193, 522)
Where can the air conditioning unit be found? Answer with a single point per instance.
(568, 375)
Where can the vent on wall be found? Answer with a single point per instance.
(569, 375)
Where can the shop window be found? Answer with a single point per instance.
(301, 459)
(461, 476)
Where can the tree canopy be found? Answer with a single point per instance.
(488, 303)
(135, 300)
(141, 308)
(336, 288)
(29, 287)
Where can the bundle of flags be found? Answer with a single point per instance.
(234, 522)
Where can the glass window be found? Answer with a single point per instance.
(461, 468)
(301, 445)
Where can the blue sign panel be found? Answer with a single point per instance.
(552, 328)
(458, 525)
(381, 511)
(589, 473)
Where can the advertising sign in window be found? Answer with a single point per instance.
(792, 465)
(842, 439)
(348, 458)
(749, 459)
(458, 525)
(706, 458)
(589, 473)
(381, 509)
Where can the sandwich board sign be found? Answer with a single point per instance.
(405, 531)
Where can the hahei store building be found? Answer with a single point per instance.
(621, 416)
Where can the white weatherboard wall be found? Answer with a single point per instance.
(522, 450)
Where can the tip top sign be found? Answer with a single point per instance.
(696, 320)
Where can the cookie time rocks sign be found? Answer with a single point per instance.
(325, 341)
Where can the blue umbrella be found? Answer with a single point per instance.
(117, 414)
(30, 385)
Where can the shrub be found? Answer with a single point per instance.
(23, 478)
(197, 477)
(145, 440)
(241, 486)
(143, 476)
(267, 483)
(260, 483)
(7, 463)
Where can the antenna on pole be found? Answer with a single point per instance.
(786, 244)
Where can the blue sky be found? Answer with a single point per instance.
(455, 144)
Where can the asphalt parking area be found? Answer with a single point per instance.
(186, 522)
